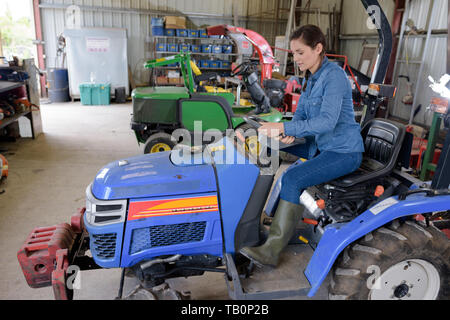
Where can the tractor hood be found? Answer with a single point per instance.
(151, 175)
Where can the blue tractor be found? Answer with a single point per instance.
(158, 217)
(188, 211)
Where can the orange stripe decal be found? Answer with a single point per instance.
(164, 207)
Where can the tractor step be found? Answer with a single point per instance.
(286, 280)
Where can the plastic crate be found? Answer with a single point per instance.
(216, 49)
(157, 31)
(169, 32)
(193, 33)
(216, 64)
(172, 47)
(206, 48)
(226, 64)
(196, 48)
(161, 47)
(204, 63)
(181, 32)
(185, 47)
(157, 22)
(202, 33)
(227, 48)
(95, 94)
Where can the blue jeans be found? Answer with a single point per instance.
(324, 167)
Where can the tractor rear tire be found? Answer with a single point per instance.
(159, 142)
(399, 261)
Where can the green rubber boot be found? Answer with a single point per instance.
(283, 226)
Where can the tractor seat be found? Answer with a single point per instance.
(382, 143)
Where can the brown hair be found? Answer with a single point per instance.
(310, 35)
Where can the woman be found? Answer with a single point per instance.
(334, 146)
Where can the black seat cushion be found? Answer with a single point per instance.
(382, 143)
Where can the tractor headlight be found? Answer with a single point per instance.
(101, 212)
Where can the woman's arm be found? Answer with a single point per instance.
(335, 87)
(299, 113)
(275, 129)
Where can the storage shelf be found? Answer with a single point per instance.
(8, 120)
(194, 40)
(175, 68)
(199, 53)
(9, 85)
(191, 38)
(216, 68)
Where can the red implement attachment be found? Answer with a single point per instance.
(262, 47)
(290, 102)
(59, 277)
(44, 255)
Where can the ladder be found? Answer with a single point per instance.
(421, 61)
(290, 25)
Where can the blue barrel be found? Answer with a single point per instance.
(58, 85)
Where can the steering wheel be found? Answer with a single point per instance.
(272, 143)
(252, 122)
(240, 69)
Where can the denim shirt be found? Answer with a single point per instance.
(325, 113)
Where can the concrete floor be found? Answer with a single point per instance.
(46, 184)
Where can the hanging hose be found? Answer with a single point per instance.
(148, 264)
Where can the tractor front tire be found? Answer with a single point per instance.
(399, 261)
(159, 142)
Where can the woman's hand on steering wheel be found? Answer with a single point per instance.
(271, 129)
(287, 139)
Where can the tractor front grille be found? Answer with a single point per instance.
(104, 245)
(166, 235)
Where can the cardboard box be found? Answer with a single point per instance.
(162, 80)
(173, 74)
(175, 80)
(173, 22)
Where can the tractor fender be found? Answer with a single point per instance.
(338, 236)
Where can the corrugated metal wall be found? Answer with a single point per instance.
(435, 60)
(268, 26)
(135, 16)
(354, 27)
(257, 15)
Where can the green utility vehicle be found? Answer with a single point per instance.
(159, 111)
